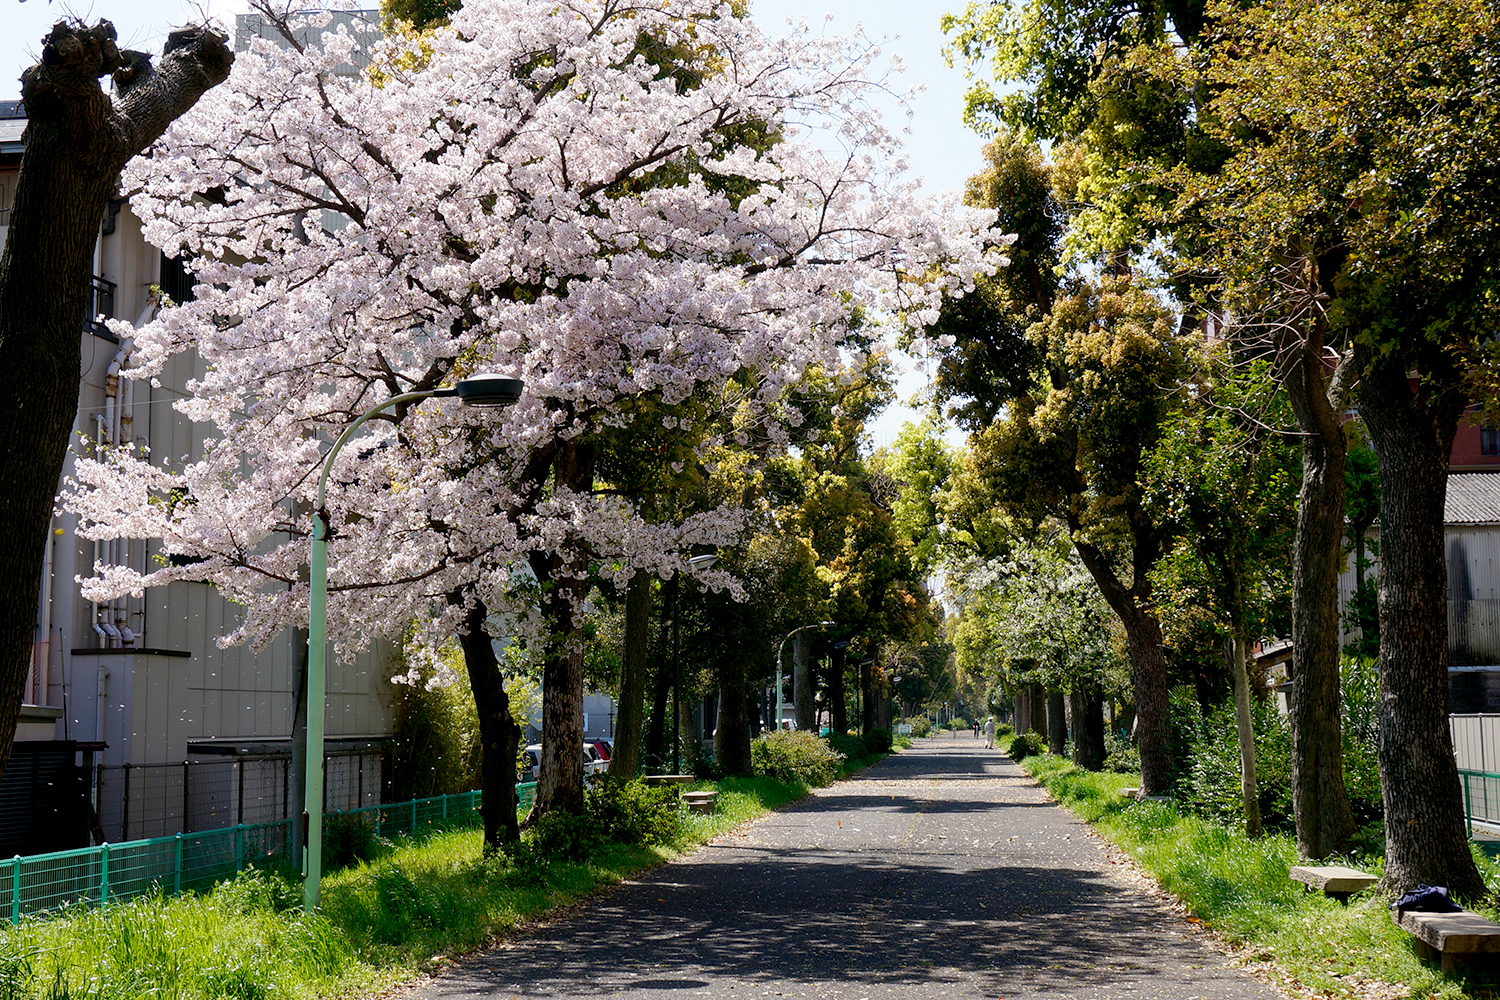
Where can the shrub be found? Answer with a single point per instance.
(349, 839)
(564, 836)
(1004, 729)
(795, 756)
(852, 747)
(920, 725)
(879, 741)
(1027, 745)
(632, 812)
(956, 723)
(1120, 755)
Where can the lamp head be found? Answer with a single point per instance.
(702, 562)
(486, 389)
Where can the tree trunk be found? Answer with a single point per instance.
(626, 759)
(838, 712)
(1245, 728)
(297, 774)
(802, 683)
(732, 737)
(1319, 799)
(1091, 731)
(1148, 661)
(867, 695)
(1057, 723)
(1412, 435)
(499, 736)
(564, 578)
(77, 139)
(1075, 713)
(1023, 709)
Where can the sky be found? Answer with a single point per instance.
(942, 151)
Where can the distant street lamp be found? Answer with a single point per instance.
(780, 648)
(485, 390)
(695, 562)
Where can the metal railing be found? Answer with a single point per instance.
(186, 862)
(1481, 799)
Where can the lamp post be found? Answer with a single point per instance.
(485, 390)
(696, 562)
(781, 648)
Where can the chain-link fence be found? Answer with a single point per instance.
(193, 861)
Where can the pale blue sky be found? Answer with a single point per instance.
(941, 150)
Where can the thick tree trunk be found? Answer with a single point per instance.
(1412, 435)
(656, 730)
(77, 139)
(626, 759)
(564, 578)
(1023, 709)
(732, 737)
(1319, 798)
(499, 736)
(802, 683)
(1057, 723)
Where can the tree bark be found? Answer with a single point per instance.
(499, 736)
(1148, 661)
(1245, 728)
(1319, 799)
(564, 578)
(867, 695)
(1412, 435)
(1057, 722)
(1091, 731)
(802, 683)
(626, 759)
(732, 736)
(77, 139)
(838, 711)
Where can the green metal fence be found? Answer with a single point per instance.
(194, 861)
(1481, 799)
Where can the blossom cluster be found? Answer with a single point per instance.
(532, 190)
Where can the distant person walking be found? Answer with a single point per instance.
(976, 727)
(989, 733)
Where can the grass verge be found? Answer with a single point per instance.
(1239, 887)
(380, 922)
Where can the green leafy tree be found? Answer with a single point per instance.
(1359, 207)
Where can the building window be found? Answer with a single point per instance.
(1489, 439)
(176, 279)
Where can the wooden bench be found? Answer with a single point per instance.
(1455, 939)
(1332, 880)
(700, 802)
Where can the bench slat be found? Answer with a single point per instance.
(1464, 932)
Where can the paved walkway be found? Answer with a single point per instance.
(943, 872)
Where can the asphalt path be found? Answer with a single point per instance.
(942, 872)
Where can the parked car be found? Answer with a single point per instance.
(604, 747)
(593, 762)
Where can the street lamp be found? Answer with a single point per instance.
(695, 562)
(781, 648)
(485, 390)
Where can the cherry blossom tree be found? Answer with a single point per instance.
(531, 191)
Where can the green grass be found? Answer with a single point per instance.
(1240, 888)
(418, 904)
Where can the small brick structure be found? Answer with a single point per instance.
(1455, 939)
(1333, 880)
